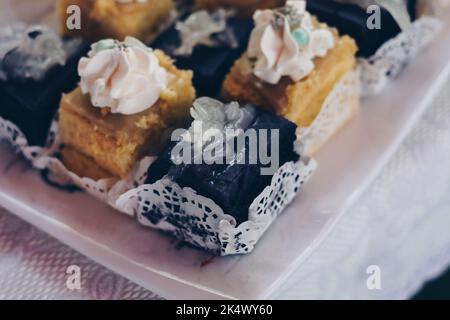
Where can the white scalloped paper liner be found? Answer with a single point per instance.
(45, 158)
(218, 231)
(339, 108)
(394, 55)
(193, 218)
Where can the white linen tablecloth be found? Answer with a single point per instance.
(401, 225)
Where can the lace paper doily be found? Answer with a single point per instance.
(197, 220)
(393, 56)
(106, 190)
(166, 206)
(341, 105)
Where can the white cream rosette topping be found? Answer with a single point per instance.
(285, 42)
(123, 76)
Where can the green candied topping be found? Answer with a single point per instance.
(301, 36)
(104, 45)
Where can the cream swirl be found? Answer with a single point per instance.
(284, 42)
(123, 76)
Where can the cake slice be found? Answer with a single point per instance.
(297, 68)
(350, 17)
(208, 44)
(299, 101)
(234, 178)
(36, 68)
(129, 100)
(116, 18)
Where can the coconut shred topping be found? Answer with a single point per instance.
(30, 52)
(123, 76)
(285, 41)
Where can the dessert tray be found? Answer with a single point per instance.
(164, 265)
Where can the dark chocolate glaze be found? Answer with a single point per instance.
(209, 64)
(32, 105)
(232, 187)
(351, 19)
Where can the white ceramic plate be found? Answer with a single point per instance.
(347, 165)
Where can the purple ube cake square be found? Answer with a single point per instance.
(36, 68)
(231, 184)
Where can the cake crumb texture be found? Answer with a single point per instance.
(116, 142)
(109, 19)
